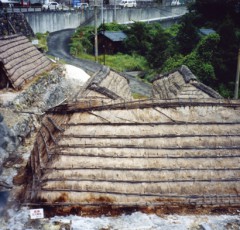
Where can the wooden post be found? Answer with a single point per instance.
(95, 33)
(237, 77)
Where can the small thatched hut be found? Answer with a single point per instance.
(181, 83)
(20, 61)
(110, 154)
(106, 84)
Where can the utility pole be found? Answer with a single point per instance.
(115, 12)
(95, 31)
(102, 11)
(237, 77)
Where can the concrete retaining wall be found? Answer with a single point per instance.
(54, 21)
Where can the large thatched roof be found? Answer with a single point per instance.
(20, 61)
(148, 153)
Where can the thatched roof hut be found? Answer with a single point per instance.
(181, 83)
(96, 155)
(106, 84)
(20, 61)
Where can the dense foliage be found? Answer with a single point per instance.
(148, 40)
(82, 45)
(223, 16)
(82, 41)
(211, 57)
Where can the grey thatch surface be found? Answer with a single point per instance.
(187, 74)
(181, 83)
(21, 61)
(138, 153)
(106, 84)
(206, 89)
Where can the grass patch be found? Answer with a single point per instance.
(139, 96)
(86, 56)
(120, 62)
(42, 41)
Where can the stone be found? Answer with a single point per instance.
(205, 226)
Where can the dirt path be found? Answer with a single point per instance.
(58, 47)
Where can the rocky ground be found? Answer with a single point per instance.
(135, 221)
(20, 117)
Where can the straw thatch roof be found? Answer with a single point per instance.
(106, 84)
(20, 61)
(117, 153)
(139, 153)
(181, 83)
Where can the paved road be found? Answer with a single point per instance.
(58, 47)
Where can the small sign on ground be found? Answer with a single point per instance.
(36, 213)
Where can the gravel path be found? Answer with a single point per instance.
(58, 47)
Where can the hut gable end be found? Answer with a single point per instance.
(181, 83)
(106, 84)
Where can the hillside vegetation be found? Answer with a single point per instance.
(211, 57)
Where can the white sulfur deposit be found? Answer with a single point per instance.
(76, 73)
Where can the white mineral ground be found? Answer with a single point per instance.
(76, 73)
(135, 221)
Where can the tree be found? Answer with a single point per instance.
(214, 11)
(199, 60)
(157, 52)
(172, 63)
(208, 47)
(149, 40)
(187, 36)
(113, 26)
(81, 41)
(225, 59)
(203, 70)
(139, 39)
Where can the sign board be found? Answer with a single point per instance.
(36, 213)
(35, 42)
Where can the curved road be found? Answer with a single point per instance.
(58, 47)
